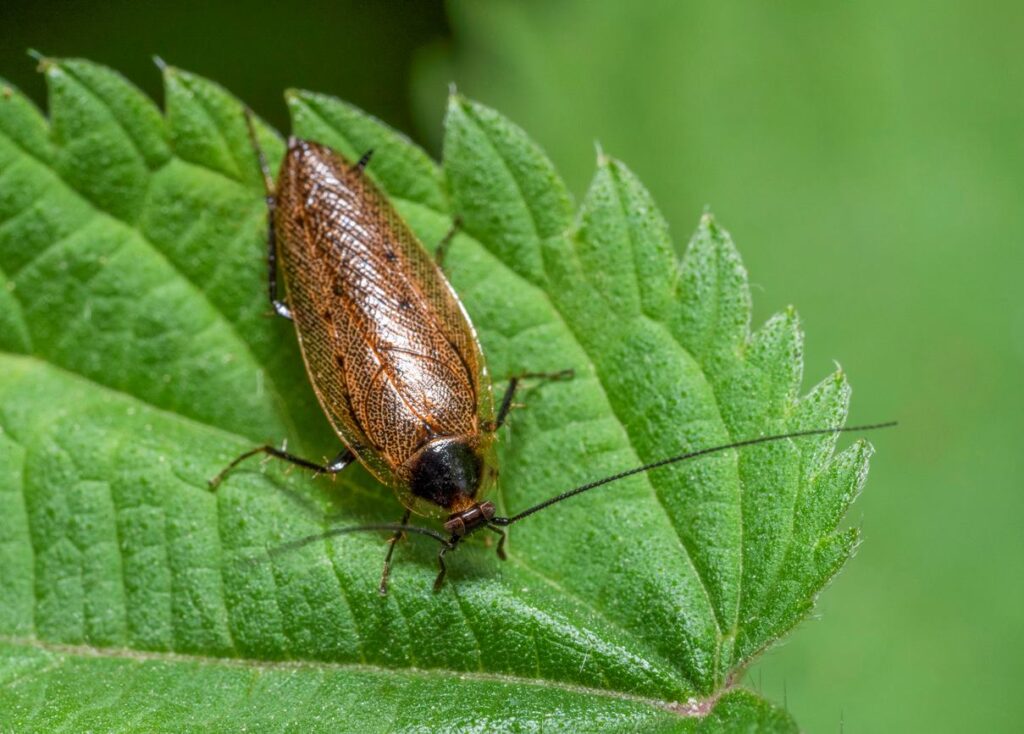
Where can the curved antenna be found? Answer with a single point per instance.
(682, 457)
(392, 527)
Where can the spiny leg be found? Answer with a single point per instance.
(280, 307)
(442, 569)
(442, 246)
(501, 541)
(513, 385)
(392, 542)
(364, 161)
(343, 459)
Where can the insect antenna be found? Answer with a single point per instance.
(503, 521)
(333, 532)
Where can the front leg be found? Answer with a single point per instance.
(392, 542)
(501, 541)
(442, 569)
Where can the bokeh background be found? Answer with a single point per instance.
(869, 160)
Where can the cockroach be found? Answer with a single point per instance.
(392, 354)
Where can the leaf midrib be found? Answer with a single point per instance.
(120, 653)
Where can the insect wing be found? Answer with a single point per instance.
(389, 349)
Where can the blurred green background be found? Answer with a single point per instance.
(869, 160)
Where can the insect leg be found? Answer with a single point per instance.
(442, 246)
(364, 160)
(280, 307)
(501, 541)
(339, 462)
(442, 569)
(513, 385)
(392, 542)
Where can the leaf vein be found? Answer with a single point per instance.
(89, 651)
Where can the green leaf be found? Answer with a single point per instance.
(138, 358)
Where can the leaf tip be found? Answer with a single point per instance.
(293, 97)
(709, 225)
(710, 229)
(864, 449)
(456, 102)
(45, 63)
(300, 101)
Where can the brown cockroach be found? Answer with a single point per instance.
(391, 353)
